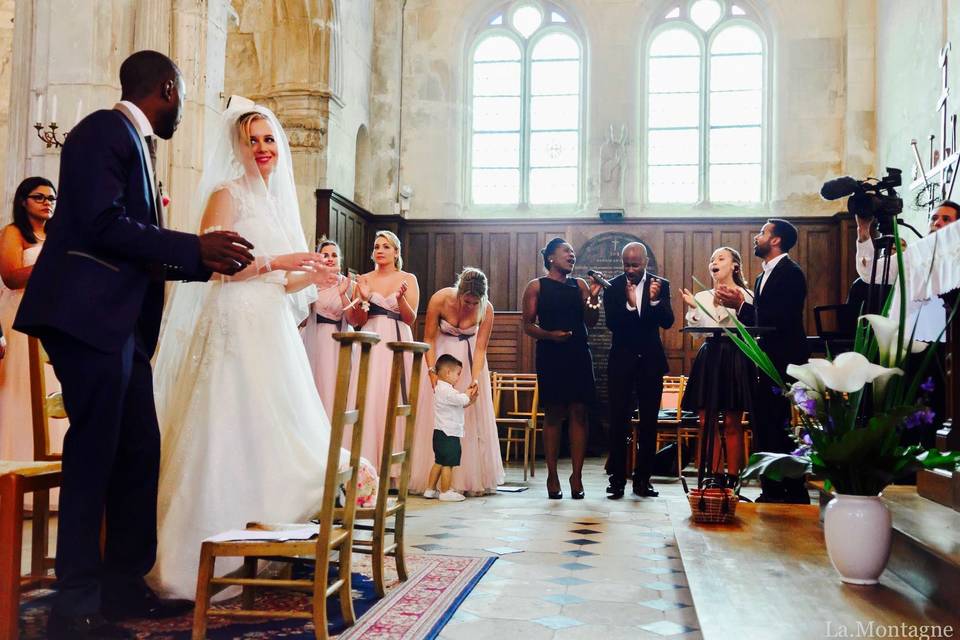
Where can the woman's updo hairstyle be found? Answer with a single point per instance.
(472, 281)
(548, 250)
(394, 242)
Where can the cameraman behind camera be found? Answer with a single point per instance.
(928, 315)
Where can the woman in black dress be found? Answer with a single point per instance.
(557, 310)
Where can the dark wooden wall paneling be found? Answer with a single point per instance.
(508, 252)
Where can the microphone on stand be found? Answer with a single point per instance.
(599, 279)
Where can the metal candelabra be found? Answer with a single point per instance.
(48, 134)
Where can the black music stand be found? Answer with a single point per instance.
(710, 412)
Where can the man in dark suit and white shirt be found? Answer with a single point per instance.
(95, 299)
(780, 293)
(636, 306)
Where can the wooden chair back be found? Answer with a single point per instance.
(671, 399)
(516, 394)
(43, 408)
(336, 524)
(388, 506)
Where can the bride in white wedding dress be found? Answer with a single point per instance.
(244, 433)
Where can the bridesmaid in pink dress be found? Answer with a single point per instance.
(326, 318)
(20, 244)
(386, 304)
(459, 322)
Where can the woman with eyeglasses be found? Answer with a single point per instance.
(20, 244)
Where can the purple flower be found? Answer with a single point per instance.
(917, 418)
(803, 400)
(806, 444)
(928, 385)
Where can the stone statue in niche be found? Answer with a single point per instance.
(612, 167)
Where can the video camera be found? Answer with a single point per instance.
(869, 199)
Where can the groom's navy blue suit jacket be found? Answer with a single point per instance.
(99, 277)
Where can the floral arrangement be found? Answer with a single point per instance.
(848, 435)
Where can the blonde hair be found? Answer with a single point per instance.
(244, 123)
(472, 281)
(395, 242)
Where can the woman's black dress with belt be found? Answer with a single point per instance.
(564, 369)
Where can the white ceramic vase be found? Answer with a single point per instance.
(858, 530)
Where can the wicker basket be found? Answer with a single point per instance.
(713, 505)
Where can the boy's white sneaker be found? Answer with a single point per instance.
(430, 494)
(451, 496)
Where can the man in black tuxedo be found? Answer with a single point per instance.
(94, 299)
(636, 306)
(780, 292)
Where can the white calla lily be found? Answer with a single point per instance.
(849, 372)
(805, 374)
(887, 332)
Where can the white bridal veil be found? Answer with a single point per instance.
(266, 213)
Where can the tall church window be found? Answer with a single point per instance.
(526, 114)
(706, 104)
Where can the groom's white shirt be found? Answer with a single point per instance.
(144, 128)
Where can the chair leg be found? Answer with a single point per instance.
(204, 575)
(320, 582)
(526, 452)
(533, 451)
(40, 533)
(398, 523)
(679, 456)
(379, 533)
(506, 458)
(11, 539)
(249, 595)
(345, 559)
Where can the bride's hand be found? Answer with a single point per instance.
(304, 261)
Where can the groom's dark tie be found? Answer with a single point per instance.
(152, 148)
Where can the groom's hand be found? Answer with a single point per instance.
(225, 251)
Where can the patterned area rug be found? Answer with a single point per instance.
(415, 609)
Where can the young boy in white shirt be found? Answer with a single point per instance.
(448, 406)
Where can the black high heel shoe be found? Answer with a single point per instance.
(555, 495)
(576, 495)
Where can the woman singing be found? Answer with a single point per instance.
(557, 310)
(721, 376)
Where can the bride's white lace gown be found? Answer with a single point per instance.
(244, 434)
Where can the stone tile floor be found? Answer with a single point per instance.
(567, 569)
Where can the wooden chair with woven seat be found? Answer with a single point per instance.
(43, 408)
(388, 506)
(334, 537)
(516, 399)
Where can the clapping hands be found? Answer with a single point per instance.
(402, 290)
(688, 298)
(728, 296)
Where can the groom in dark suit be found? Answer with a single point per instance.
(636, 307)
(780, 292)
(94, 299)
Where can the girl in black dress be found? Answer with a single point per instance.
(557, 310)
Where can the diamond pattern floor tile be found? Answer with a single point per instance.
(666, 628)
(664, 605)
(563, 598)
(558, 622)
(585, 532)
(576, 566)
(568, 581)
(579, 553)
(582, 541)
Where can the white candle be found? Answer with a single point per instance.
(79, 111)
(39, 107)
(53, 109)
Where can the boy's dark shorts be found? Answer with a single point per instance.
(446, 449)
